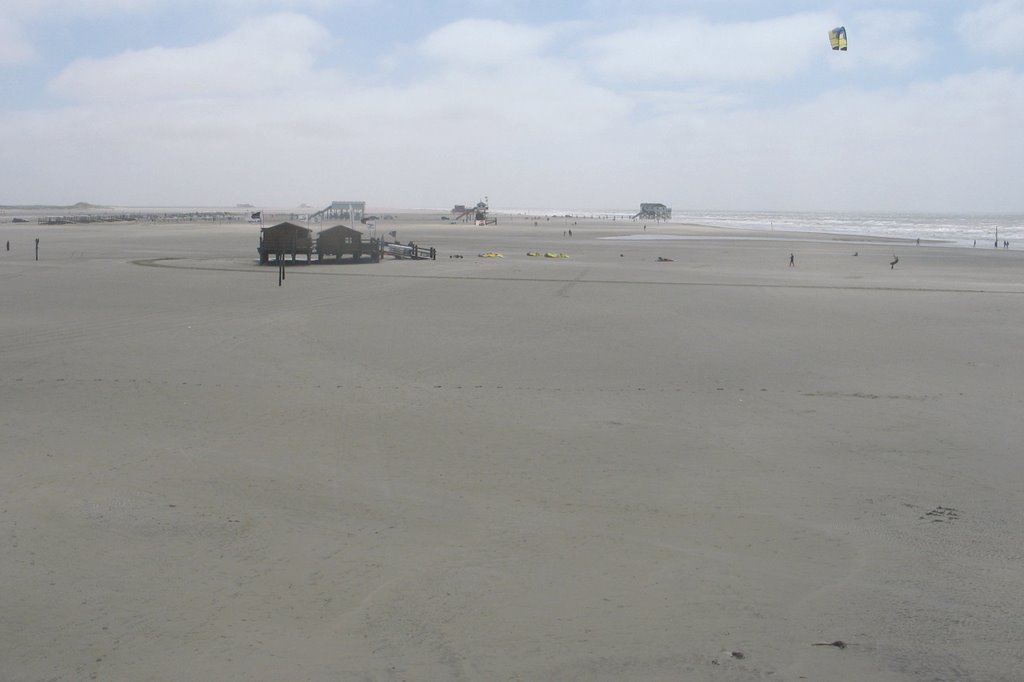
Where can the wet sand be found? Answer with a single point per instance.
(597, 468)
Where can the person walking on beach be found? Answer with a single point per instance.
(894, 261)
(792, 264)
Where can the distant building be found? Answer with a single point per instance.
(352, 210)
(478, 213)
(341, 210)
(654, 212)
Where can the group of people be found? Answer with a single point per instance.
(7, 246)
(892, 263)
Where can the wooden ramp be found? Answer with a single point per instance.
(413, 251)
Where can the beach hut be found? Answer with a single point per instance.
(283, 239)
(338, 241)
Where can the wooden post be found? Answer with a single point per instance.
(37, 248)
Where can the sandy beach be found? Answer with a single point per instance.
(603, 467)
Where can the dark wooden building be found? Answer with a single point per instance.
(285, 239)
(339, 241)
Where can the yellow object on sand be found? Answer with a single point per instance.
(533, 253)
(491, 254)
(551, 254)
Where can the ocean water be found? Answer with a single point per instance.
(952, 229)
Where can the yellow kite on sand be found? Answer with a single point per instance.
(551, 254)
(491, 254)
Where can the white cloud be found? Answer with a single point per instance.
(266, 54)
(479, 41)
(16, 16)
(518, 115)
(14, 45)
(493, 79)
(995, 27)
(692, 49)
(887, 39)
(934, 146)
(289, 4)
(145, 116)
(34, 9)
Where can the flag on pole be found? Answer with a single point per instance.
(258, 215)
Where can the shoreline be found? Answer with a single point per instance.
(964, 234)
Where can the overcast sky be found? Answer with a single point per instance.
(600, 104)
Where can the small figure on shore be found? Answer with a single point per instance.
(8, 244)
(855, 254)
(792, 262)
(919, 241)
(894, 261)
(975, 243)
(570, 233)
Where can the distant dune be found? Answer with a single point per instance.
(51, 207)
